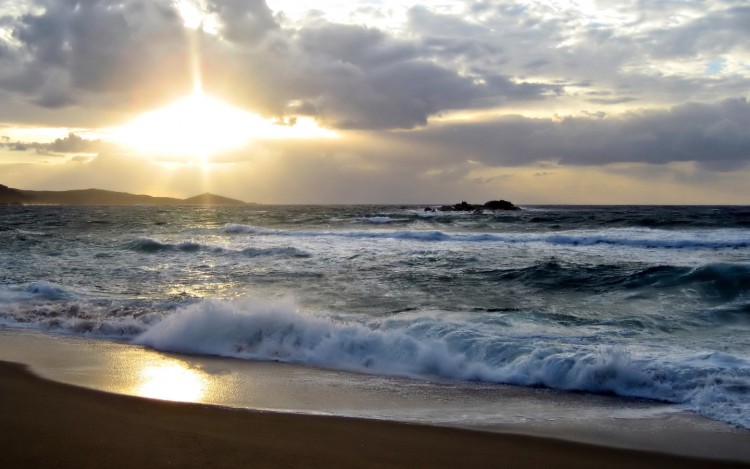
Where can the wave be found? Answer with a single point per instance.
(150, 245)
(718, 281)
(381, 220)
(65, 319)
(39, 290)
(47, 306)
(245, 229)
(430, 346)
(636, 238)
(416, 344)
(723, 281)
(650, 239)
(275, 252)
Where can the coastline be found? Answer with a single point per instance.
(51, 424)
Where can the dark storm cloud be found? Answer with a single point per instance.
(715, 136)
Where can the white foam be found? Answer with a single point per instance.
(382, 220)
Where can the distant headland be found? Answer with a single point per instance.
(10, 196)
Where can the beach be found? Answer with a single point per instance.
(80, 403)
(375, 335)
(49, 424)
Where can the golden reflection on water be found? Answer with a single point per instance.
(171, 380)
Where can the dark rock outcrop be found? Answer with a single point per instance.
(491, 205)
(500, 205)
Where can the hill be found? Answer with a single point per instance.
(11, 196)
(211, 199)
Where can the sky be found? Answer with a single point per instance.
(367, 101)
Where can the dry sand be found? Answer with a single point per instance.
(49, 424)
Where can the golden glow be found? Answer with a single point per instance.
(200, 126)
(171, 381)
(197, 126)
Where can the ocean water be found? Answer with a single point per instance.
(646, 302)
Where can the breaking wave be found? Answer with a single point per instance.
(426, 346)
(150, 245)
(40, 290)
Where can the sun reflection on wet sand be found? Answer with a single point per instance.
(171, 381)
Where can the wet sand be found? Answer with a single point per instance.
(50, 424)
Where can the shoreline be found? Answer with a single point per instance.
(47, 424)
(287, 389)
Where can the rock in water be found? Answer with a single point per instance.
(491, 205)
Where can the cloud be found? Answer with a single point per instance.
(716, 136)
(135, 53)
(244, 21)
(356, 77)
(70, 144)
(644, 51)
(714, 33)
(96, 52)
(75, 144)
(354, 173)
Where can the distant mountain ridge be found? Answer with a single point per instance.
(11, 196)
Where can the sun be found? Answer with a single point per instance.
(196, 126)
(199, 126)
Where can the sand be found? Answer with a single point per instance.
(50, 424)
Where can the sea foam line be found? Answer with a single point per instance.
(641, 238)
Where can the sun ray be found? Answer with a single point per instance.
(199, 126)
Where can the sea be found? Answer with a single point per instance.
(641, 302)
